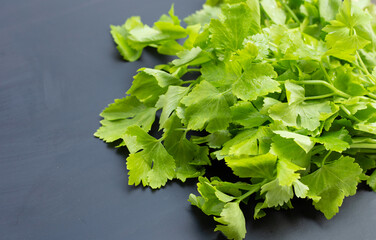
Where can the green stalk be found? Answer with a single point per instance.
(348, 113)
(326, 156)
(326, 84)
(290, 11)
(364, 68)
(363, 145)
(325, 73)
(250, 192)
(320, 96)
(193, 70)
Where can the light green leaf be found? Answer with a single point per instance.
(372, 181)
(203, 16)
(329, 9)
(249, 142)
(121, 34)
(233, 222)
(206, 108)
(294, 93)
(260, 166)
(257, 80)
(290, 150)
(303, 141)
(149, 84)
(276, 194)
(239, 23)
(185, 153)
(337, 141)
(208, 202)
(148, 161)
(121, 114)
(276, 13)
(192, 57)
(332, 183)
(169, 102)
(300, 115)
(244, 113)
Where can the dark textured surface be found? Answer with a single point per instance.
(58, 69)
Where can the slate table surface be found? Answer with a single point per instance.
(58, 69)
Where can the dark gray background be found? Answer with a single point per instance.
(58, 69)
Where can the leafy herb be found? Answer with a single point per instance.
(286, 97)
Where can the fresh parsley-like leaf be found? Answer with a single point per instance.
(282, 91)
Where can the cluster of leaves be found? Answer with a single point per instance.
(285, 96)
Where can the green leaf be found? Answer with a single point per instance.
(244, 113)
(121, 114)
(249, 142)
(239, 23)
(149, 84)
(286, 172)
(121, 34)
(372, 181)
(271, 8)
(206, 108)
(148, 161)
(280, 191)
(256, 80)
(300, 115)
(183, 151)
(294, 93)
(233, 222)
(260, 166)
(208, 202)
(169, 102)
(341, 40)
(192, 57)
(329, 8)
(303, 141)
(332, 183)
(290, 150)
(337, 141)
(203, 16)
(276, 194)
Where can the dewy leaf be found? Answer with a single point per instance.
(148, 162)
(207, 108)
(274, 11)
(233, 222)
(121, 114)
(332, 183)
(256, 80)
